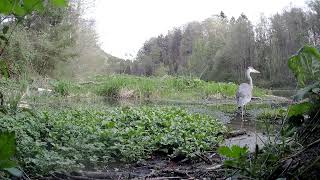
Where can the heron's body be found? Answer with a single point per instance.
(244, 92)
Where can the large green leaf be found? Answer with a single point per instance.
(299, 109)
(224, 150)
(18, 10)
(306, 65)
(59, 3)
(33, 5)
(234, 152)
(7, 163)
(7, 145)
(23, 7)
(5, 7)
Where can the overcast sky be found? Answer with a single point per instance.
(124, 25)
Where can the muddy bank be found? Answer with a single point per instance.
(156, 168)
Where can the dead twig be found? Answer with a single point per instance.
(205, 159)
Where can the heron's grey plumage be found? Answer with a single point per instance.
(244, 92)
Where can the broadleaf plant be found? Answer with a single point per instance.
(7, 152)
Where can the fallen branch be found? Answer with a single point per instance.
(235, 133)
(212, 168)
(304, 149)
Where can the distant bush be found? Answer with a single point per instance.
(62, 87)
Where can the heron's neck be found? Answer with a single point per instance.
(250, 79)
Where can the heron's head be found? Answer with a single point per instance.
(252, 70)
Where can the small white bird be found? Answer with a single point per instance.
(44, 90)
(244, 92)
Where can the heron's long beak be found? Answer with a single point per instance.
(255, 71)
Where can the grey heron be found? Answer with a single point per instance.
(244, 92)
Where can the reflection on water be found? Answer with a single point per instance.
(283, 92)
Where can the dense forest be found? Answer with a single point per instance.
(61, 43)
(221, 47)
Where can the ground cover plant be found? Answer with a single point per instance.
(80, 138)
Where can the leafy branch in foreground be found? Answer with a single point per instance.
(15, 11)
(306, 67)
(7, 151)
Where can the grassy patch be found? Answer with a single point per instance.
(135, 87)
(87, 137)
(272, 114)
(175, 88)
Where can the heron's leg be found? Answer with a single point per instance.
(245, 111)
(1, 99)
(242, 113)
(241, 117)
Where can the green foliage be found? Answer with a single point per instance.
(85, 137)
(14, 58)
(181, 88)
(234, 152)
(24, 7)
(257, 165)
(299, 109)
(111, 87)
(306, 65)
(272, 114)
(237, 157)
(59, 3)
(7, 152)
(4, 69)
(62, 87)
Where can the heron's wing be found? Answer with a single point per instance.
(244, 94)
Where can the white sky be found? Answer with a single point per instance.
(124, 25)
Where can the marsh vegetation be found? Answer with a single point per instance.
(72, 111)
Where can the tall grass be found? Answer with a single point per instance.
(167, 87)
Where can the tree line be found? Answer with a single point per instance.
(60, 42)
(220, 48)
(56, 42)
